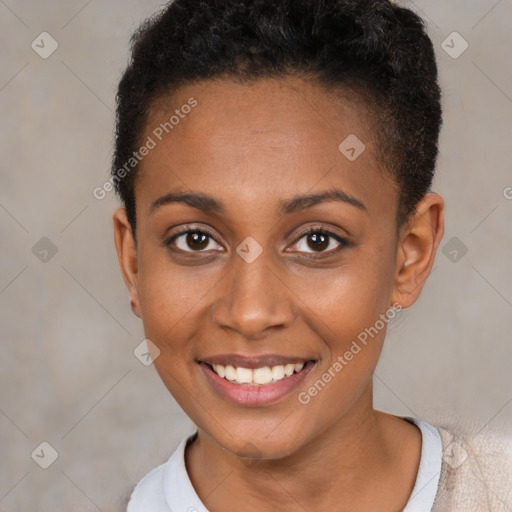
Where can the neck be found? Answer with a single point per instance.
(367, 460)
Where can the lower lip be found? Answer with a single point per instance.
(256, 395)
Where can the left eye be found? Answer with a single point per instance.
(319, 240)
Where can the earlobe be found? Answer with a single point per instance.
(417, 249)
(127, 256)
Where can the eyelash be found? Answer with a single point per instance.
(303, 232)
(322, 231)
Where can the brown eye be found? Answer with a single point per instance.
(315, 240)
(197, 240)
(192, 241)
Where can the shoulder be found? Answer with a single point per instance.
(167, 483)
(476, 470)
(148, 494)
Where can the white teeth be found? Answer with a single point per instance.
(244, 375)
(289, 369)
(230, 372)
(261, 376)
(278, 372)
(221, 370)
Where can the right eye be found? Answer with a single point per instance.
(191, 240)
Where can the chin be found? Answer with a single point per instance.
(253, 444)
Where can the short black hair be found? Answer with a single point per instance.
(375, 48)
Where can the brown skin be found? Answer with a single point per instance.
(250, 146)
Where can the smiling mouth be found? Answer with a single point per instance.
(262, 376)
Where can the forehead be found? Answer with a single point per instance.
(261, 142)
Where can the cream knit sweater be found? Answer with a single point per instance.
(476, 472)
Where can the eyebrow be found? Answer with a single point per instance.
(209, 204)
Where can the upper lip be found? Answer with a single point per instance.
(253, 362)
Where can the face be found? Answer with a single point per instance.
(261, 245)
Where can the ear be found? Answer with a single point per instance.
(127, 256)
(417, 246)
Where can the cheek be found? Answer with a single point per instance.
(170, 305)
(351, 313)
(350, 309)
(349, 298)
(170, 298)
(168, 291)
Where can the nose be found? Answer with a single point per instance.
(253, 300)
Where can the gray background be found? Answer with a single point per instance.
(68, 373)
